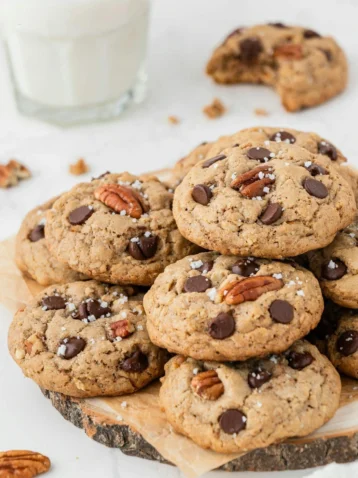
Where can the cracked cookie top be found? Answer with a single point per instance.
(263, 199)
(85, 339)
(214, 307)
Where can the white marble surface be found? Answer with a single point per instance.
(182, 36)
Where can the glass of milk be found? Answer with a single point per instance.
(75, 61)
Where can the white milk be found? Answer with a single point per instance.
(75, 53)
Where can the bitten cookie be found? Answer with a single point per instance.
(343, 345)
(213, 307)
(270, 201)
(238, 407)
(336, 267)
(305, 68)
(118, 229)
(85, 339)
(32, 255)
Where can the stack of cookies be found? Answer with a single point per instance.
(230, 277)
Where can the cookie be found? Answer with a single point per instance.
(32, 255)
(336, 267)
(238, 407)
(85, 339)
(213, 307)
(350, 174)
(118, 229)
(310, 141)
(305, 68)
(274, 201)
(343, 345)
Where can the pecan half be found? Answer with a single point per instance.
(248, 289)
(252, 183)
(21, 463)
(120, 198)
(289, 52)
(12, 172)
(122, 328)
(207, 385)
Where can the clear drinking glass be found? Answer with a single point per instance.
(76, 61)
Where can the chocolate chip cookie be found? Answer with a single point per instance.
(343, 345)
(118, 229)
(277, 200)
(237, 407)
(336, 267)
(85, 339)
(304, 67)
(213, 307)
(32, 255)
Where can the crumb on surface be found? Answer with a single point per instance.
(13, 172)
(79, 167)
(173, 119)
(261, 112)
(215, 109)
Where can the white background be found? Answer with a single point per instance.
(183, 34)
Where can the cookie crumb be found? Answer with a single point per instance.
(261, 112)
(215, 109)
(13, 172)
(173, 119)
(79, 167)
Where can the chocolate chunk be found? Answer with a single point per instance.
(245, 267)
(258, 377)
(278, 25)
(328, 54)
(222, 326)
(54, 302)
(197, 284)
(136, 363)
(201, 194)
(347, 343)
(333, 269)
(316, 169)
(206, 267)
(271, 214)
(260, 154)
(283, 136)
(232, 421)
(327, 149)
(315, 188)
(144, 248)
(82, 312)
(73, 346)
(311, 34)
(37, 233)
(101, 175)
(94, 308)
(281, 311)
(80, 215)
(299, 361)
(250, 49)
(213, 160)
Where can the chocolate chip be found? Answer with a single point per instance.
(260, 154)
(271, 214)
(206, 267)
(101, 175)
(94, 308)
(333, 269)
(299, 361)
(278, 25)
(283, 136)
(197, 284)
(311, 34)
(281, 311)
(315, 188)
(201, 194)
(258, 377)
(316, 169)
(136, 363)
(328, 54)
(37, 233)
(82, 312)
(327, 149)
(245, 267)
(144, 248)
(73, 346)
(213, 160)
(347, 343)
(250, 49)
(222, 326)
(80, 215)
(232, 421)
(54, 302)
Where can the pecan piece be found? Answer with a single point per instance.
(22, 463)
(122, 328)
(12, 172)
(120, 198)
(289, 52)
(252, 183)
(249, 289)
(207, 385)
